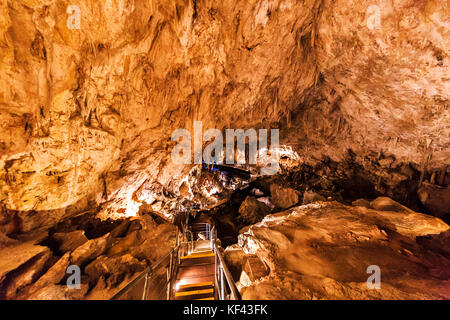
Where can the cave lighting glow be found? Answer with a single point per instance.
(132, 208)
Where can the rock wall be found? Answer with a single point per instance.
(109, 254)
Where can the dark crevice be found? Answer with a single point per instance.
(195, 14)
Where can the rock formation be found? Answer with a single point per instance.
(323, 251)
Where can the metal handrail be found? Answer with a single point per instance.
(223, 277)
(222, 269)
(146, 273)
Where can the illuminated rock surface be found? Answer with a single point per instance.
(323, 250)
(107, 261)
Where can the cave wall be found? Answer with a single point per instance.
(86, 115)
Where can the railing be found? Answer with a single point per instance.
(226, 287)
(156, 282)
(202, 228)
(224, 283)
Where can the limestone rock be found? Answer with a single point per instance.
(70, 241)
(56, 273)
(245, 280)
(252, 210)
(435, 198)
(329, 247)
(15, 256)
(104, 290)
(437, 242)
(234, 257)
(105, 266)
(283, 197)
(51, 277)
(24, 275)
(387, 204)
(59, 292)
(6, 241)
(310, 197)
(90, 250)
(255, 268)
(121, 230)
(362, 203)
(266, 201)
(256, 192)
(133, 239)
(151, 243)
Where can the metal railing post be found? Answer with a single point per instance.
(169, 276)
(227, 276)
(146, 286)
(222, 283)
(185, 242)
(216, 278)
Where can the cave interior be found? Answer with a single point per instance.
(116, 121)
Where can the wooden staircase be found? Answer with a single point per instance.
(198, 291)
(193, 270)
(195, 276)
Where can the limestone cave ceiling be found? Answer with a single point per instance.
(87, 113)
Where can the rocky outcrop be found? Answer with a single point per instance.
(108, 261)
(24, 275)
(15, 256)
(361, 203)
(323, 251)
(53, 276)
(252, 211)
(254, 268)
(90, 250)
(70, 241)
(115, 265)
(310, 197)
(59, 292)
(283, 198)
(387, 204)
(435, 198)
(234, 257)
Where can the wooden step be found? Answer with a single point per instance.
(195, 279)
(195, 293)
(200, 254)
(198, 285)
(197, 261)
(195, 271)
(206, 296)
